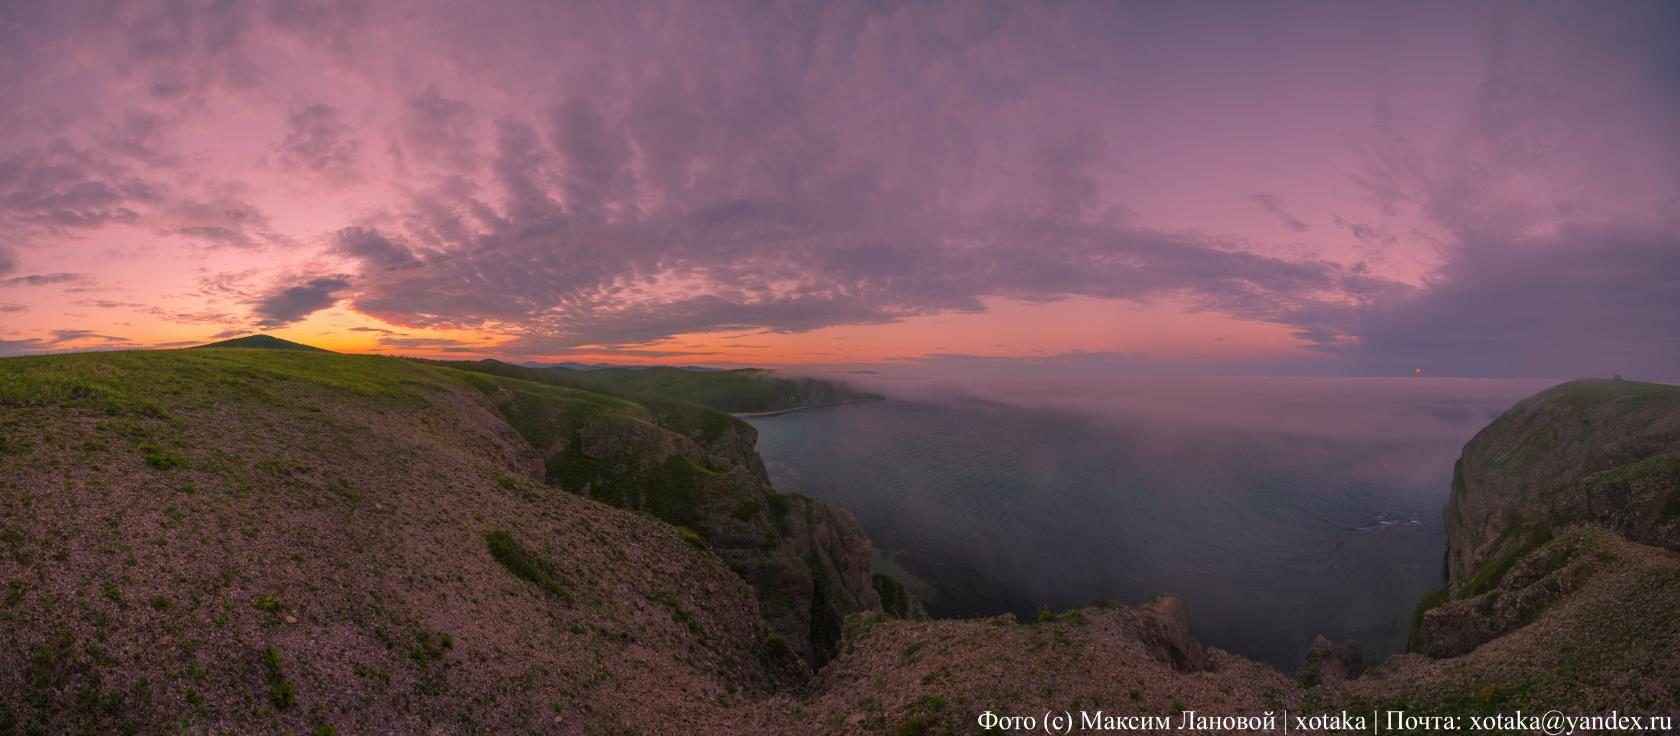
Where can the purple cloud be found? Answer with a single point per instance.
(59, 186)
(41, 279)
(1273, 205)
(288, 304)
(318, 142)
(1501, 195)
(440, 130)
(221, 218)
(59, 340)
(1586, 301)
(375, 251)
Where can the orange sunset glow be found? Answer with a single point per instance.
(1350, 218)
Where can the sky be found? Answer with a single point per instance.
(1245, 188)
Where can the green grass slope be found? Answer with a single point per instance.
(695, 468)
(261, 541)
(264, 342)
(746, 390)
(689, 418)
(1583, 623)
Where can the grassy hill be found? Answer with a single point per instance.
(264, 342)
(268, 541)
(283, 541)
(746, 390)
(265, 541)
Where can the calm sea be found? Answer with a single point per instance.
(1277, 509)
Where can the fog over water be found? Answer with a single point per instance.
(1277, 509)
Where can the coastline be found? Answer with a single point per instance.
(808, 407)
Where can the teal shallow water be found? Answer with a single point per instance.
(1269, 537)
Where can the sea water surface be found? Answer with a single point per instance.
(1277, 509)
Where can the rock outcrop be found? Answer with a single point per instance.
(696, 469)
(1605, 453)
(1533, 583)
(1562, 576)
(1596, 635)
(1329, 663)
(1162, 626)
(897, 600)
(1135, 664)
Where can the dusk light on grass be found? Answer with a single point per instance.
(899, 367)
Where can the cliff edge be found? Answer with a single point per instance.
(1604, 453)
(273, 541)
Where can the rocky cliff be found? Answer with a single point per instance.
(1562, 578)
(242, 541)
(1605, 453)
(696, 469)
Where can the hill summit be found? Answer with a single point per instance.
(263, 342)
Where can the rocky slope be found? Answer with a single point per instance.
(1605, 453)
(1562, 578)
(1585, 623)
(696, 469)
(937, 677)
(292, 542)
(240, 541)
